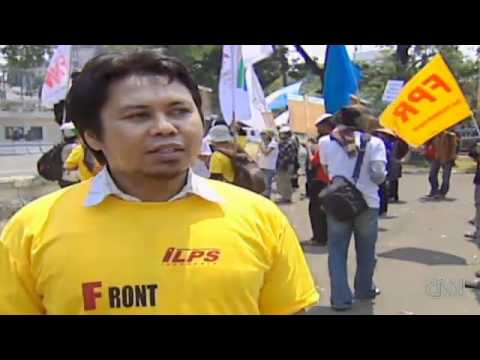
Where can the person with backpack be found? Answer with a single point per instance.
(51, 165)
(221, 164)
(356, 163)
(230, 163)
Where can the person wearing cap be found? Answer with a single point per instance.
(221, 165)
(146, 235)
(267, 156)
(70, 141)
(317, 180)
(339, 153)
(287, 155)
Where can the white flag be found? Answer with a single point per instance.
(258, 104)
(233, 94)
(55, 86)
(256, 53)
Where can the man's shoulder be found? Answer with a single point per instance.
(375, 141)
(37, 211)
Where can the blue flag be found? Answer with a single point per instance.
(342, 78)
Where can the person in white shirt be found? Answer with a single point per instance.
(267, 159)
(339, 152)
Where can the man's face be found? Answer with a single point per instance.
(284, 137)
(323, 129)
(150, 127)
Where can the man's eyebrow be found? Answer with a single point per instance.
(133, 107)
(178, 102)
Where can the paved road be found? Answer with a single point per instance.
(18, 165)
(423, 257)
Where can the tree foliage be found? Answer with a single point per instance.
(26, 56)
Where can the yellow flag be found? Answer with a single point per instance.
(430, 103)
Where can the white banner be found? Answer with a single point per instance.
(55, 86)
(393, 89)
(256, 53)
(233, 94)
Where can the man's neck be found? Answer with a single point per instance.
(149, 189)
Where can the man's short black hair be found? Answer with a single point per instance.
(89, 93)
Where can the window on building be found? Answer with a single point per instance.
(35, 133)
(14, 133)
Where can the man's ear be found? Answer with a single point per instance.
(92, 141)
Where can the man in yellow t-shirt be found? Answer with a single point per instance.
(146, 235)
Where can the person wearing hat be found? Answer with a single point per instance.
(221, 166)
(397, 149)
(267, 156)
(287, 157)
(317, 180)
(339, 154)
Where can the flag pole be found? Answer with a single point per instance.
(69, 83)
(234, 80)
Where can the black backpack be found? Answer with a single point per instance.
(341, 198)
(50, 165)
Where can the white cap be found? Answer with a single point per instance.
(285, 129)
(205, 151)
(323, 118)
(67, 126)
(220, 133)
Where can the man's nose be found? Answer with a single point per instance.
(162, 126)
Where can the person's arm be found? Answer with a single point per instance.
(289, 288)
(378, 163)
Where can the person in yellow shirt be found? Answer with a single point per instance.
(242, 136)
(81, 160)
(147, 235)
(221, 165)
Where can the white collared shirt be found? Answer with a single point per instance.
(104, 186)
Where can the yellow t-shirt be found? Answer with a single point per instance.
(76, 161)
(222, 164)
(242, 141)
(190, 256)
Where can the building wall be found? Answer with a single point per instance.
(50, 131)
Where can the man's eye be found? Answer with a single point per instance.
(181, 111)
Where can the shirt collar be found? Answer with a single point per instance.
(103, 186)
